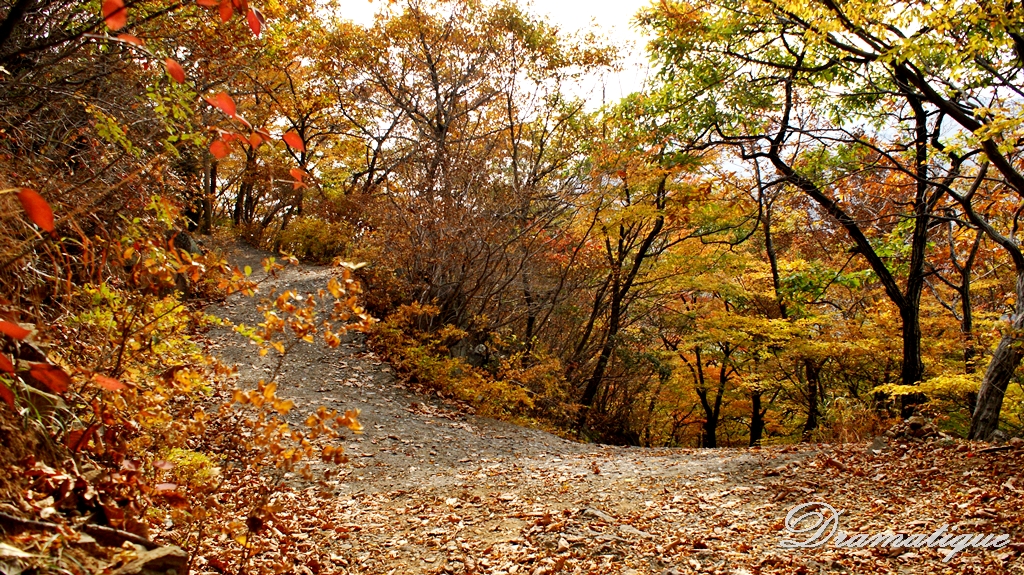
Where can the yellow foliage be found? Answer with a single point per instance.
(946, 385)
(191, 468)
(425, 356)
(314, 240)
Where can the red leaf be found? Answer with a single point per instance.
(240, 5)
(298, 175)
(208, 3)
(51, 376)
(174, 499)
(128, 38)
(225, 103)
(7, 396)
(255, 20)
(225, 10)
(79, 438)
(37, 209)
(219, 149)
(294, 140)
(114, 514)
(115, 14)
(108, 383)
(14, 330)
(222, 102)
(175, 70)
(6, 365)
(255, 139)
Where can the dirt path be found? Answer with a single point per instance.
(429, 490)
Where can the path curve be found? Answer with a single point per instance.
(430, 490)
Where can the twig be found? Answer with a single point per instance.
(8, 519)
(105, 535)
(115, 537)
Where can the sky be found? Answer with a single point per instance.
(609, 18)
(613, 19)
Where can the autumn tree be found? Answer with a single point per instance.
(769, 89)
(462, 144)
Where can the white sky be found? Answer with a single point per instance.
(611, 19)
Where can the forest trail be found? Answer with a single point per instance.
(429, 489)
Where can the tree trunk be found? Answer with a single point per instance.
(773, 261)
(912, 368)
(907, 302)
(1007, 357)
(620, 287)
(531, 311)
(1000, 370)
(245, 187)
(756, 418)
(206, 227)
(589, 329)
(712, 412)
(812, 373)
(14, 16)
(967, 310)
(602, 361)
(236, 214)
(210, 191)
(709, 439)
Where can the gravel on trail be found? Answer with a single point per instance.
(431, 489)
(409, 439)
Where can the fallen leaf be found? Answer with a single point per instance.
(13, 552)
(108, 383)
(79, 438)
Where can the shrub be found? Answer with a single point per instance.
(131, 437)
(313, 240)
(849, 420)
(192, 469)
(515, 384)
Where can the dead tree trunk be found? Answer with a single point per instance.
(1005, 361)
